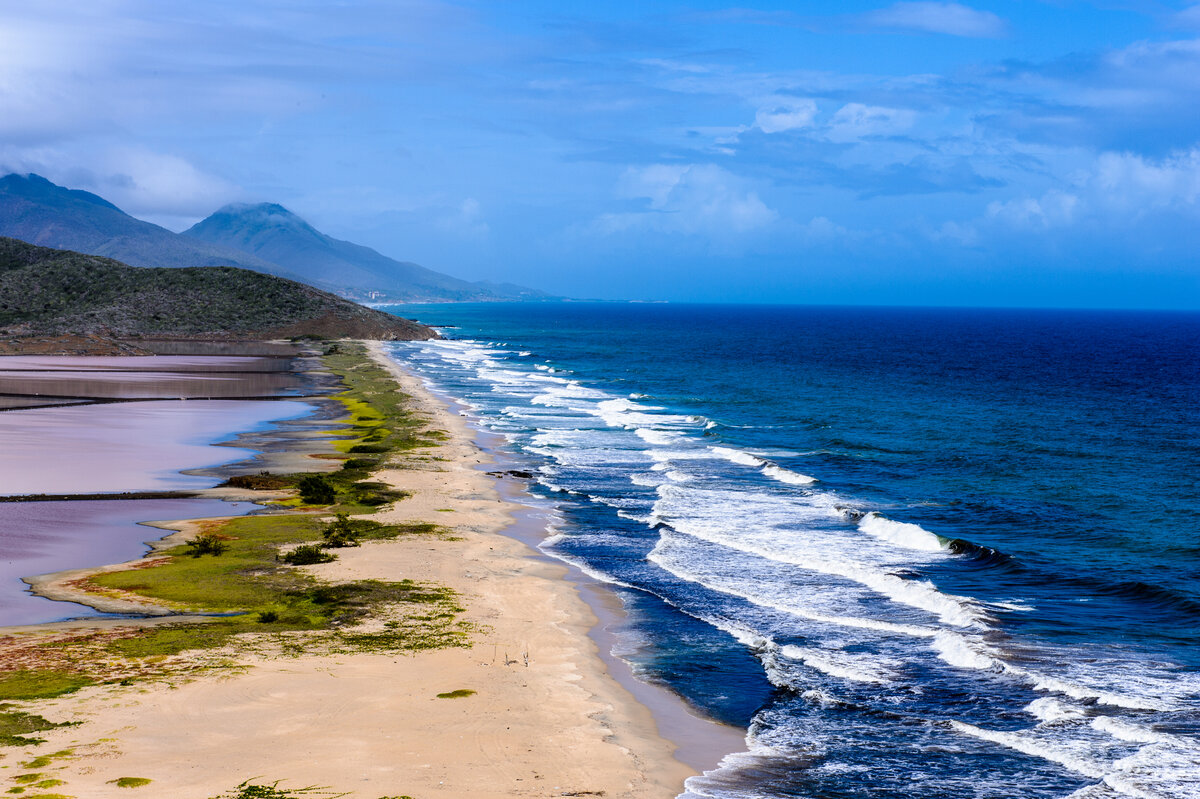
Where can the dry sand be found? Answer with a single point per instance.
(547, 718)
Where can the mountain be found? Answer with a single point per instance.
(40, 212)
(266, 238)
(48, 292)
(275, 234)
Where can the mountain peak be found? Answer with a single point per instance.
(32, 186)
(250, 219)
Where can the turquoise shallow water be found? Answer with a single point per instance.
(916, 552)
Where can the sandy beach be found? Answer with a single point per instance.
(546, 717)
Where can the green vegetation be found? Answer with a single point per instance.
(40, 683)
(206, 544)
(341, 533)
(307, 555)
(246, 790)
(460, 693)
(241, 571)
(16, 728)
(57, 292)
(316, 490)
(130, 782)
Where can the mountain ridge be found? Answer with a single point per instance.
(272, 232)
(265, 237)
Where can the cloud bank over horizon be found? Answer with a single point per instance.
(902, 152)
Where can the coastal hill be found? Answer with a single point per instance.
(266, 238)
(55, 293)
(275, 234)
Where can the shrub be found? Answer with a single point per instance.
(368, 448)
(316, 490)
(308, 554)
(340, 533)
(263, 481)
(206, 544)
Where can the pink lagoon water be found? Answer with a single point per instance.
(127, 446)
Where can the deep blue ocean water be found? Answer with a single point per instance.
(916, 552)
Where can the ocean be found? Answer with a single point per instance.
(914, 552)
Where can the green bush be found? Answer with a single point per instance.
(340, 533)
(308, 554)
(316, 490)
(206, 544)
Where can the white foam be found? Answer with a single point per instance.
(624, 413)
(1051, 709)
(659, 438)
(1044, 682)
(903, 534)
(837, 664)
(958, 651)
(738, 456)
(787, 476)
(663, 556)
(1034, 748)
(1124, 731)
(685, 510)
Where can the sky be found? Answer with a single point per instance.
(1021, 153)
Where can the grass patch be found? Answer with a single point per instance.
(17, 728)
(460, 693)
(130, 782)
(40, 683)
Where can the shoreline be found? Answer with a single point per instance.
(549, 714)
(700, 742)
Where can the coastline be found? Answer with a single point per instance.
(547, 717)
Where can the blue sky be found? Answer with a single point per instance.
(1028, 152)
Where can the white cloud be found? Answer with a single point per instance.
(465, 220)
(949, 18)
(1052, 209)
(1128, 180)
(693, 199)
(1188, 17)
(855, 121)
(1115, 192)
(785, 114)
(142, 182)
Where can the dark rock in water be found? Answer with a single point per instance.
(518, 473)
(55, 293)
(851, 514)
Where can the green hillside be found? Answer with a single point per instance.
(47, 292)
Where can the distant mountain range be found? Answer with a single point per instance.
(265, 237)
(49, 292)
